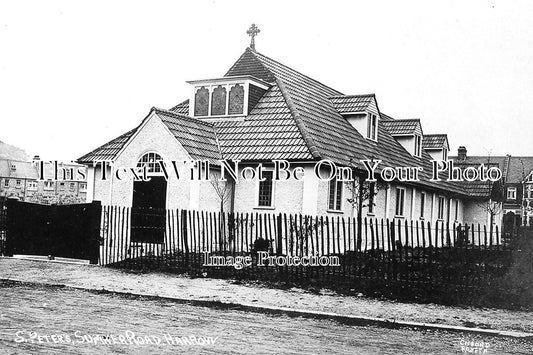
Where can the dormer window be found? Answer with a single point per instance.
(223, 97)
(372, 130)
(418, 145)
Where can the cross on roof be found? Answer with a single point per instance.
(252, 32)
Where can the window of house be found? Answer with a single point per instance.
(48, 185)
(418, 145)
(83, 187)
(201, 102)
(61, 186)
(18, 183)
(335, 195)
(530, 192)
(236, 100)
(371, 193)
(6, 183)
(511, 193)
(422, 204)
(32, 185)
(456, 210)
(72, 186)
(400, 201)
(440, 208)
(266, 190)
(372, 129)
(151, 161)
(218, 101)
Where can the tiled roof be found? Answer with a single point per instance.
(434, 141)
(181, 108)
(519, 169)
(351, 103)
(515, 168)
(401, 127)
(109, 150)
(296, 119)
(197, 137)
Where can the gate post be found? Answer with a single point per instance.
(95, 216)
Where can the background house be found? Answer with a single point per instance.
(20, 180)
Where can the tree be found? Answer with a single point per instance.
(362, 194)
(223, 189)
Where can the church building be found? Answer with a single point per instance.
(261, 110)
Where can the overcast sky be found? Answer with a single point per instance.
(73, 76)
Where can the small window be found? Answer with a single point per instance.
(48, 185)
(335, 195)
(61, 186)
(371, 193)
(6, 183)
(400, 201)
(372, 128)
(530, 192)
(422, 204)
(201, 102)
(418, 145)
(151, 160)
(440, 209)
(32, 185)
(218, 101)
(511, 193)
(236, 100)
(266, 189)
(83, 187)
(72, 186)
(18, 183)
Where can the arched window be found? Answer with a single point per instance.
(201, 102)
(151, 161)
(236, 100)
(218, 101)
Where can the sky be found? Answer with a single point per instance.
(74, 75)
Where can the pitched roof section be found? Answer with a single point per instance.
(351, 103)
(107, 151)
(402, 127)
(435, 141)
(296, 120)
(197, 137)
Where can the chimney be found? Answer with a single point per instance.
(461, 153)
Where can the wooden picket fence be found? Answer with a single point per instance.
(400, 250)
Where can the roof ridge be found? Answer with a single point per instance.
(354, 95)
(257, 54)
(182, 116)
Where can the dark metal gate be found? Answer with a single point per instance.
(70, 231)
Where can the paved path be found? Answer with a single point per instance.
(174, 286)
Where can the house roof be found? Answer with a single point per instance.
(351, 103)
(434, 141)
(17, 169)
(515, 168)
(197, 137)
(402, 127)
(109, 150)
(298, 118)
